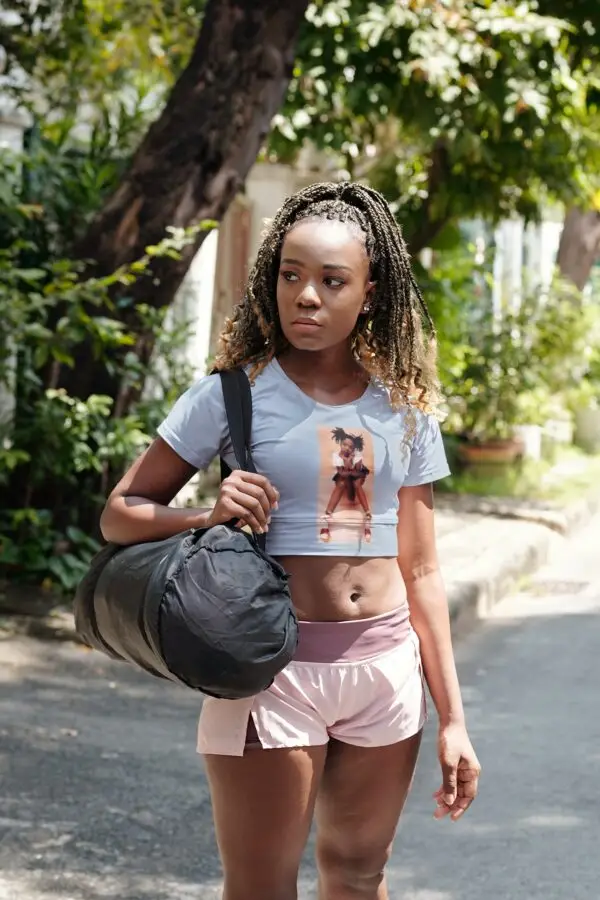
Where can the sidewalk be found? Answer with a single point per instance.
(487, 547)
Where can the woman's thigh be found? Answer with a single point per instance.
(361, 796)
(263, 804)
(336, 495)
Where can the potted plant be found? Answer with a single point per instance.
(520, 361)
(534, 410)
(585, 403)
(487, 399)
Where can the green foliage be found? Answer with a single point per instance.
(58, 447)
(50, 192)
(520, 365)
(451, 109)
(97, 55)
(516, 361)
(59, 455)
(495, 370)
(585, 393)
(32, 549)
(93, 74)
(457, 286)
(570, 476)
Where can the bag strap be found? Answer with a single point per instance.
(238, 409)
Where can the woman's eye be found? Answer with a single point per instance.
(289, 276)
(334, 282)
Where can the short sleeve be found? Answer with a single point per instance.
(428, 457)
(196, 428)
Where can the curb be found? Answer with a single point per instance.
(560, 519)
(469, 601)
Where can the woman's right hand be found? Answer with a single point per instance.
(247, 497)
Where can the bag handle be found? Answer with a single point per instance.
(238, 409)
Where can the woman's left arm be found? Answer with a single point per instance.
(418, 561)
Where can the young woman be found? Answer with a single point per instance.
(350, 476)
(335, 335)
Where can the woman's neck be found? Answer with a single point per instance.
(328, 377)
(336, 365)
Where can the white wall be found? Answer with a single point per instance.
(267, 186)
(525, 257)
(194, 301)
(508, 264)
(12, 127)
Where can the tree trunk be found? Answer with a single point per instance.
(425, 234)
(431, 224)
(579, 246)
(196, 156)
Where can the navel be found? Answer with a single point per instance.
(355, 596)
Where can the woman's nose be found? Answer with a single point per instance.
(309, 297)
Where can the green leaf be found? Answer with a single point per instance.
(31, 275)
(449, 238)
(62, 356)
(37, 331)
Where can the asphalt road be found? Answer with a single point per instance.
(102, 795)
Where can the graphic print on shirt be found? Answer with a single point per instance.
(345, 485)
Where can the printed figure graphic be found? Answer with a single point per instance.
(350, 491)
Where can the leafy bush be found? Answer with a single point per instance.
(57, 447)
(32, 549)
(457, 288)
(506, 367)
(92, 82)
(59, 455)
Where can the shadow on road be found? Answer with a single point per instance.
(102, 793)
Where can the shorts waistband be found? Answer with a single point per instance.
(352, 640)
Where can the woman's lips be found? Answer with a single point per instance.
(305, 323)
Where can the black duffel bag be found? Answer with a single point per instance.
(208, 608)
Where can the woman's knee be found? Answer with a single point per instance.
(265, 887)
(355, 869)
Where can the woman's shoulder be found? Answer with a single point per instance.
(413, 422)
(265, 381)
(208, 386)
(415, 410)
(195, 427)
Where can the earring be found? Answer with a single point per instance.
(366, 308)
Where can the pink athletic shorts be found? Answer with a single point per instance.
(359, 682)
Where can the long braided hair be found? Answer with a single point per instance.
(394, 342)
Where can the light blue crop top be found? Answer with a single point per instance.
(338, 469)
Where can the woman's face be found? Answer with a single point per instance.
(323, 284)
(347, 447)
